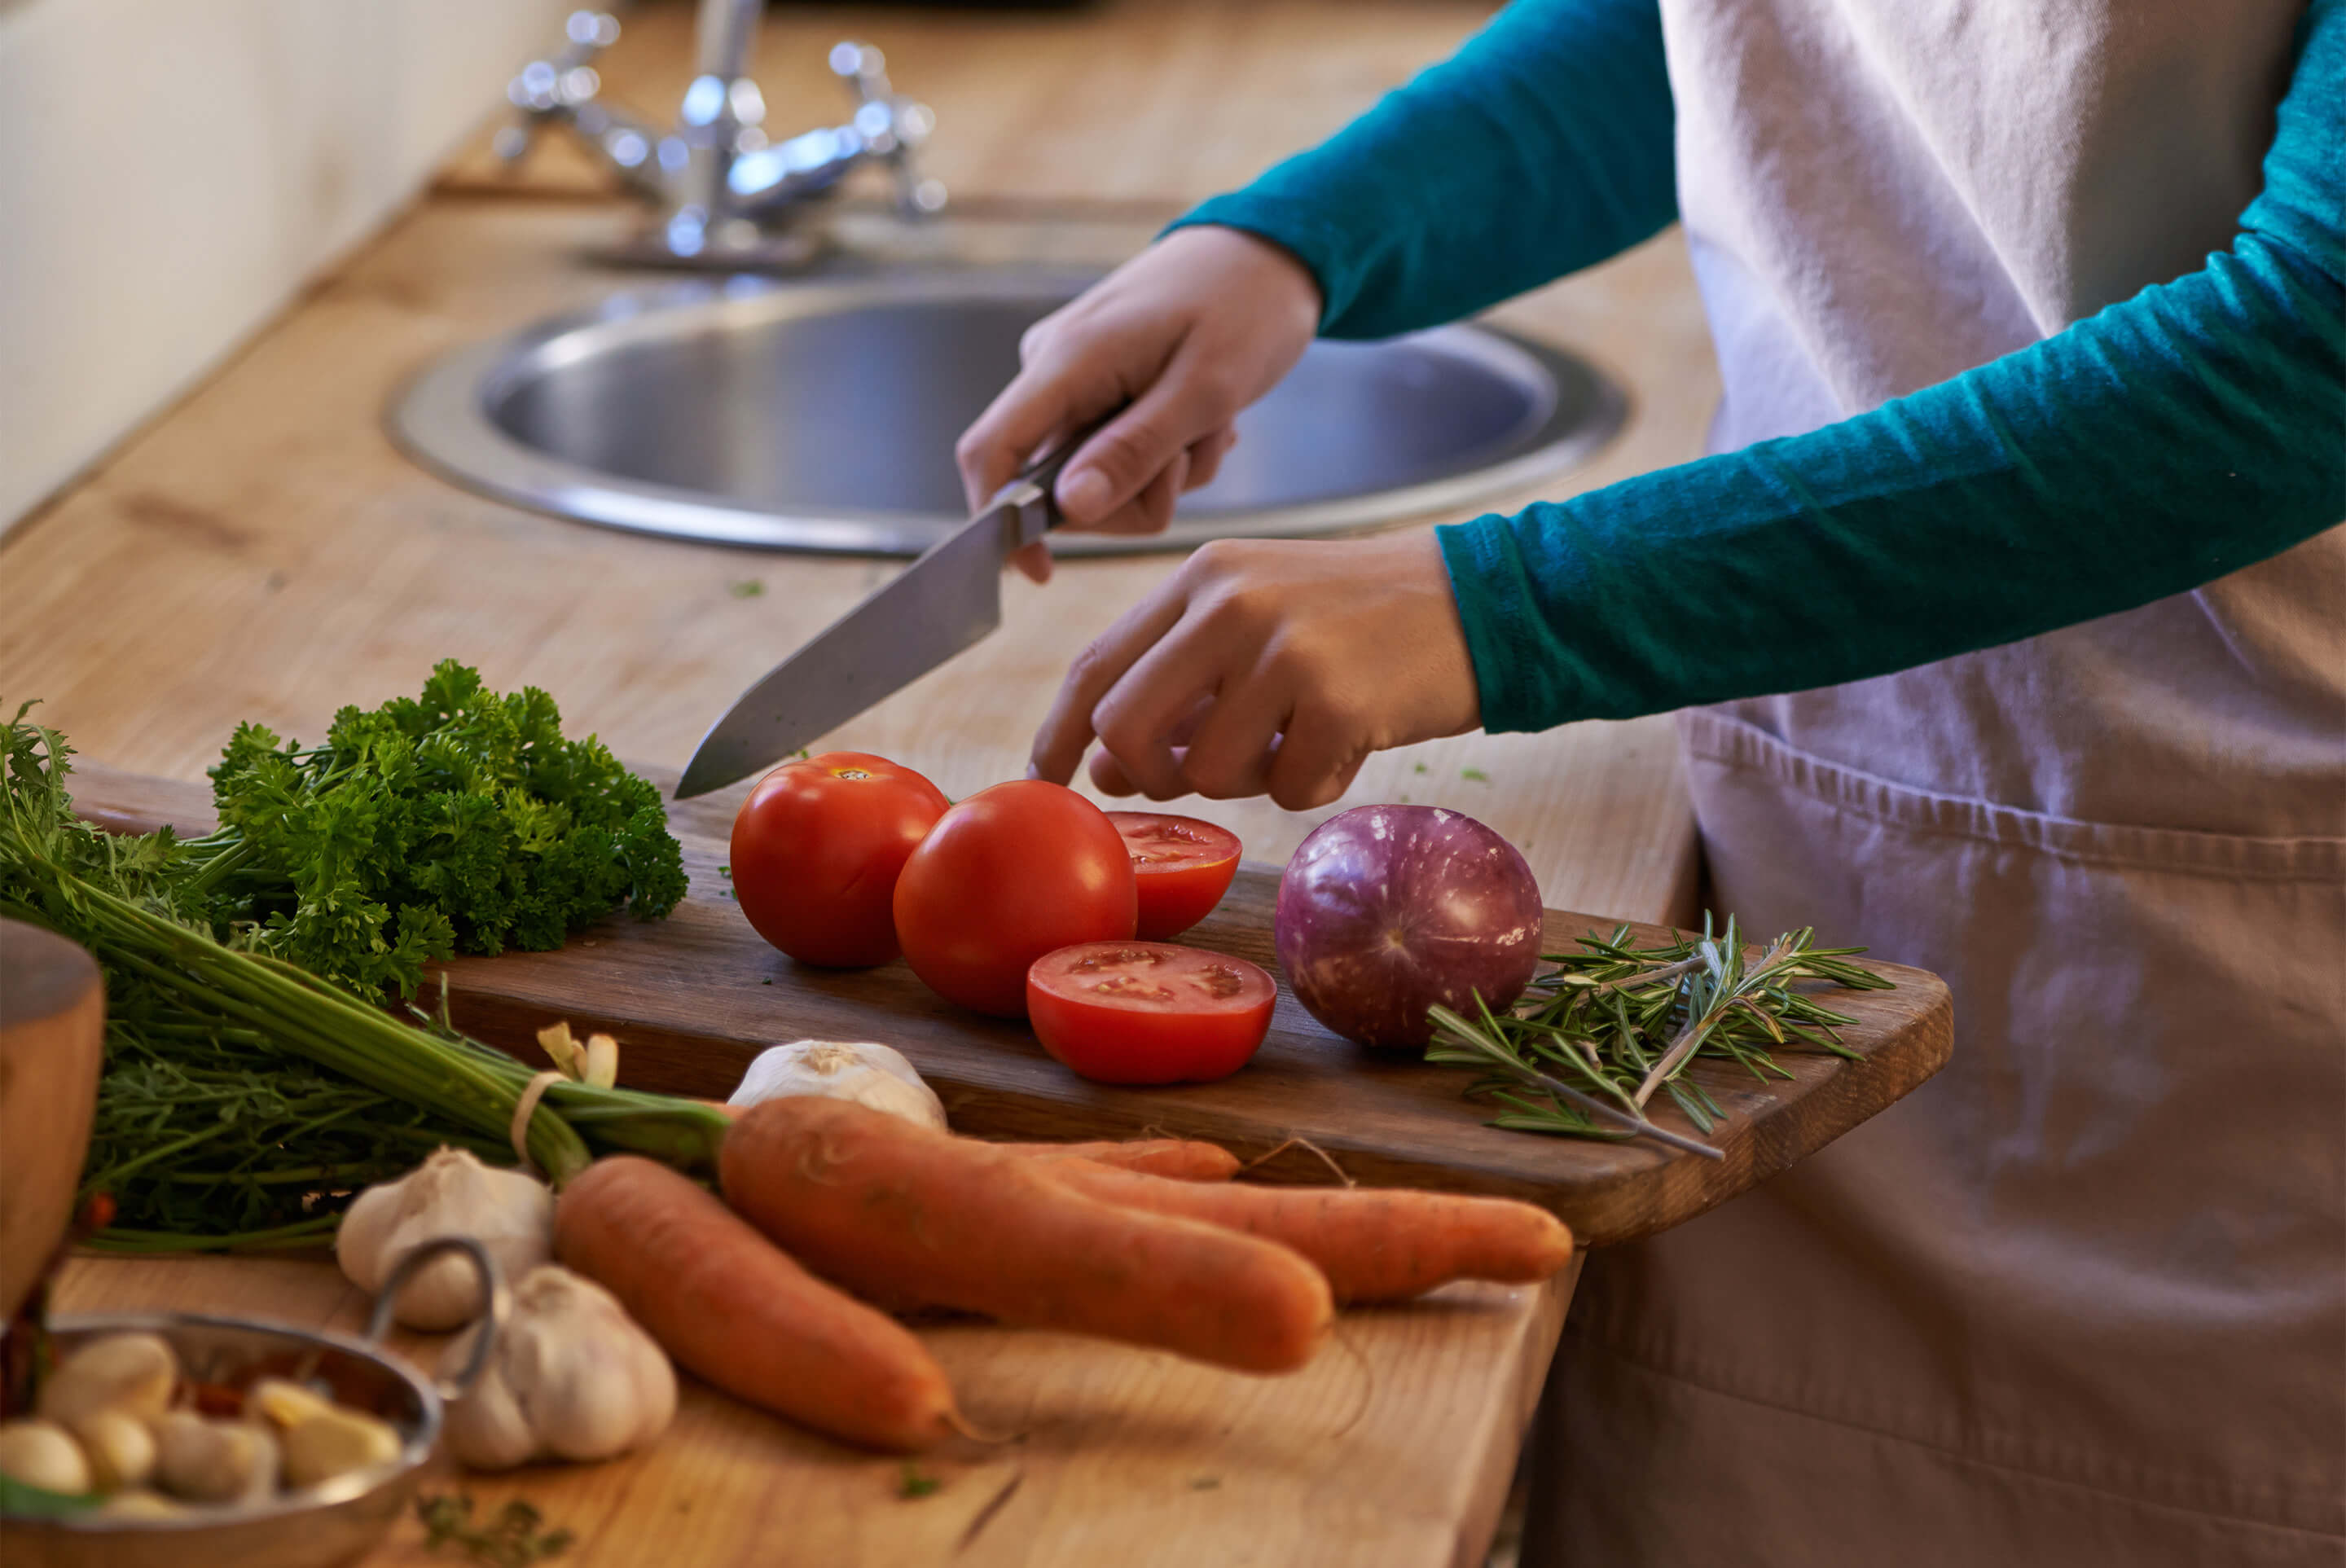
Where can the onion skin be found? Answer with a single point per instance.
(1385, 911)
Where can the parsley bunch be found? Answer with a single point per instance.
(460, 821)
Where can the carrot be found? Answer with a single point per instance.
(909, 1216)
(1182, 1159)
(725, 1302)
(1374, 1243)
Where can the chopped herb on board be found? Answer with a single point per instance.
(511, 1539)
(747, 588)
(913, 1482)
(1473, 776)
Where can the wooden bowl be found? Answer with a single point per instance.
(52, 1036)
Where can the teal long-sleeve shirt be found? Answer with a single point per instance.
(2192, 430)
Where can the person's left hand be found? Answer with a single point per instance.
(1269, 666)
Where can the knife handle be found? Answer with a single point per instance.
(1042, 471)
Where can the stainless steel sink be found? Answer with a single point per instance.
(821, 416)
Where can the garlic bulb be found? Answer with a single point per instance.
(42, 1454)
(866, 1072)
(134, 1373)
(571, 1377)
(450, 1194)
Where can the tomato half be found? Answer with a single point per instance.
(1004, 877)
(1184, 865)
(1148, 1011)
(816, 851)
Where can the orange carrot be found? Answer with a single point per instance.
(909, 1216)
(1182, 1159)
(725, 1302)
(1374, 1243)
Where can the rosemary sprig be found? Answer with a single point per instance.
(1478, 1044)
(1597, 1036)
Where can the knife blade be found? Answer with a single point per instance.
(944, 602)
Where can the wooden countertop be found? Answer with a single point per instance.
(261, 552)
(1394, 1447)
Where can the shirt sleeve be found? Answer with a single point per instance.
(2172, 438)
(1542, 147)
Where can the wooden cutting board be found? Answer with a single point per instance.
(694, 997)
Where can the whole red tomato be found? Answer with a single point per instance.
(1004, 877)
(1148, 1011)
(816, 849)
(1185, 866)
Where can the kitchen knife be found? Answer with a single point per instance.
(946, 600)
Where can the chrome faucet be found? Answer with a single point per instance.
(723, 193)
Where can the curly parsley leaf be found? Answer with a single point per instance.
(459, 820)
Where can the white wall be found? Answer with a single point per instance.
(172, 170)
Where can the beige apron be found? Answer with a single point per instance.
(2082, 1298)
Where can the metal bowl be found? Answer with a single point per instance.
(336, 1522)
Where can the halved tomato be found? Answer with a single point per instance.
(1148, 1011)
(1184, 865)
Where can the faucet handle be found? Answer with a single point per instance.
(558, 87)
(863, 68)
(590, 33)
(891, 126)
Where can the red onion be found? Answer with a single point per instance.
(1386, 909)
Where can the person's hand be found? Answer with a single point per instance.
(1269, 666)
(1189, 331)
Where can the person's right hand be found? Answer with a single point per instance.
(1189, 333)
